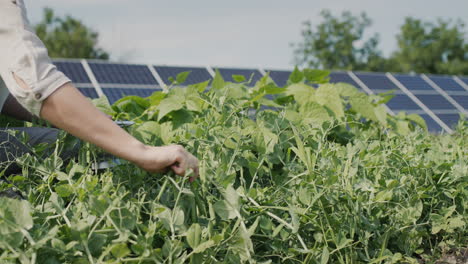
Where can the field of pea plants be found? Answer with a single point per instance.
(311, 172)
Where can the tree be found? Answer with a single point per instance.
(423, 47)
(337, 44)
(68, 37)
(426, 47)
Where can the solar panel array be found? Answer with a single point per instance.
(438, 99)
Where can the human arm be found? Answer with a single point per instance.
(69, 110)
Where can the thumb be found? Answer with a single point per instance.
(179, 170)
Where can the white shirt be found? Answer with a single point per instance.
(24, 54)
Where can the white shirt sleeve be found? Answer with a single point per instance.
(23, 54)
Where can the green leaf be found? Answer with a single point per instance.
(17, 212)
(329, 97)
(148, 131)
(381, 114)
(273, 89)
(194, 235)
(194, 104)
(64, 190)
(238, 78)
(385, 195)
(418, 120)
(204, 246)
(181, 117)
(181, 77)
(120, 250)
(346, 89)
(402, 127)
(102, 104)
(302, 93)
(123, 218)
(229, 207)
(168, 105)
(218, 81)
(316, 76)
(305, 196)
(325, 255)
(314, 112)
(156, 98)
(456, 222)
(267, 102)
(200, 87)
(224, 211)
(96, 243)
(362, 105)
(296, 76)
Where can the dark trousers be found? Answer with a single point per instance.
(12, 147)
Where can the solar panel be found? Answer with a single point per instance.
(114, 94)
(446, 83)
(122, 73)
(247, 73)
(461, 100)
(450, 120)
(336, 77)
(280, 77)
(402, 102)
(465, 80)
(88, 92)
(435, 102)
(377, 82)
(73, 70)
(413, 82)
(432, 125)
(197, 75)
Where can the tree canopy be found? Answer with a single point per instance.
(68, 37)
(338, 43)
(432, 47)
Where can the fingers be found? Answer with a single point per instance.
(184, 162)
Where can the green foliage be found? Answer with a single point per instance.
(338, 43)
(432, 47)
(324, 176)
(333, 44)
(68, 37)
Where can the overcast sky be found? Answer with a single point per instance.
(240, 33)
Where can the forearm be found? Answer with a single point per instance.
(69, 110)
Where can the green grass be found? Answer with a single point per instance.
(324, 177)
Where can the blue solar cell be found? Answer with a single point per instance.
(122, 73)
(402, 102)
(228, 72)
(413, 82)
(88, 92)
(446, 83)
(451, 120)
(280, 77)
(74, 71)
(197, 75)
(435, 102)
(461, 100)
(377, 81)
(432, 125)
(114, 94)
(336, 77)
(465, 80)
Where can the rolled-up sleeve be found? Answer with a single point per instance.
(22, 54)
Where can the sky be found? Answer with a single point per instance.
(241, 33)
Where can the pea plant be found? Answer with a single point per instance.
(311, 172)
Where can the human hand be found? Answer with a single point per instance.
(175, 157)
